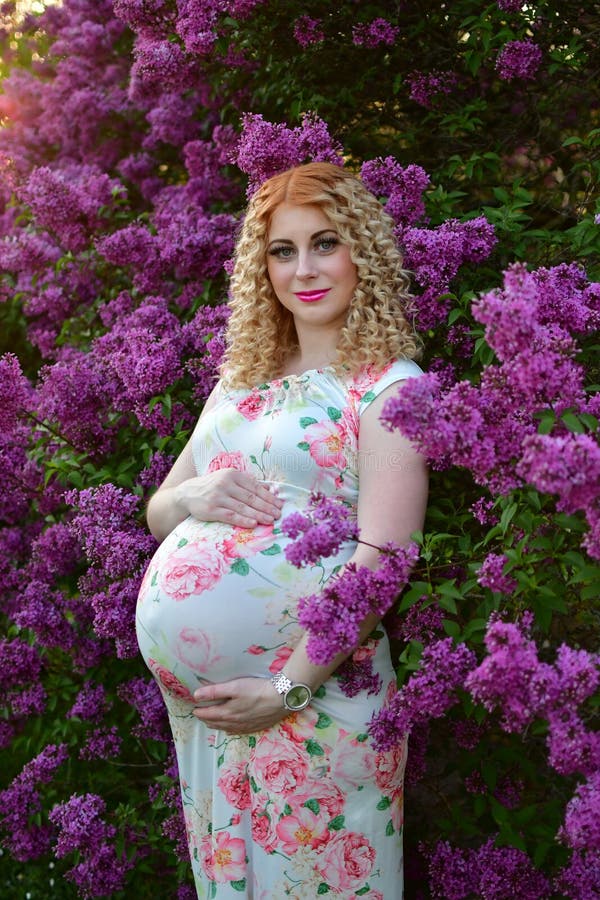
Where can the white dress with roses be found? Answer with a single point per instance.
(308, 807)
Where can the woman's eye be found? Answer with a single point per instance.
(281, 252)
(328, 243)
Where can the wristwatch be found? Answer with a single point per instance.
(295, 696)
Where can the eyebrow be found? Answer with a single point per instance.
(312, 237)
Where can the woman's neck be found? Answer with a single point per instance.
(311, 354)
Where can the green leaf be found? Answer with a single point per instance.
(334, 413)
(238, 885)
(314, 749)
(337, 824)
(363, 890)
(384, 803)
(272, 550)
(287, 810)
(240, 567)
(313, 805)
(389, 829)
(323, 888)
(305, 421)
(323, 721)
(571, 422)
(252, 742)
(303, 445)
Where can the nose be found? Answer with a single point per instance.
(306, 267)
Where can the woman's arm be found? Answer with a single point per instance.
(227, 495)
(391, 506)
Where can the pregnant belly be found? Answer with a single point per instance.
(219, 602)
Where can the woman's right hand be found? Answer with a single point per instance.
(229, 496)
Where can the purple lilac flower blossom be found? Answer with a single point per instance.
(90, 703)
(493, 873)
(375, 33)
(519, 59)
(427, 87)
(15, 392)
(581, 829)
(320, 531)
(428, 694)
(511, 5)
(308, 31)
(403, 186)
(81, 829)
(145, 697)
(491, 574)
(358, 591)
(102, 743)
(580, 878)
(20, 800)
(265, 149)
(569, 466)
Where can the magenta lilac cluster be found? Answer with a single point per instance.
(375, 33)
(428, 694)
(324, 526)
(519, 59)
(101, 869)
(308, 31)
(265, 149)
(531, 324)
(426, 88)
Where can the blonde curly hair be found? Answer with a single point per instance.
(261, 334)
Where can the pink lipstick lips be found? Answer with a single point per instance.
(311, 296)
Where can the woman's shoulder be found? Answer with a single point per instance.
(371, 380)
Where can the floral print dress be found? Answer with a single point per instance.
(307, 807)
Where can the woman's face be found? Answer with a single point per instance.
(310, 269)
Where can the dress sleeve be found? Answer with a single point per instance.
(396, 371)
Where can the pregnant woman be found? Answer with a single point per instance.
(283, 795)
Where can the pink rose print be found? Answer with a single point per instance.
(252, 406)
(278, 767)
(389, 768)
(281, 657)
(350, 422)
(263, 829)
(246, 541)
(302, 829)
(194, 650)
(326, 444)
(191, 569)
(299, 726)
(347, 861)
(227, 460)
(223, 857)
(169, 681)
(365, 651)
(367, 377)
(352, 761)
(235, 785)
(327, 794)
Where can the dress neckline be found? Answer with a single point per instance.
(318, 370)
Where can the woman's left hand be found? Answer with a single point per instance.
(242, 706)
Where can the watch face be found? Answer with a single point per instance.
(297, 697)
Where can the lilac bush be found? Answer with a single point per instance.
(131, 134)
